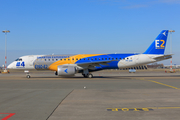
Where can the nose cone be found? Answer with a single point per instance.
(11, 66)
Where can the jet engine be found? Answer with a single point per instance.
(64, 70)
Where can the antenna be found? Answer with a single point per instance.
(171, 48)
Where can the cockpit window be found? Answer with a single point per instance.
(19, 59)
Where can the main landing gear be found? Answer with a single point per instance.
(86, 74)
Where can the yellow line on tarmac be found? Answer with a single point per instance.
(140, 109)
(168, 107)
(164, 84)
(160, 83)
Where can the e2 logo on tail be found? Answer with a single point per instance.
(159, 44)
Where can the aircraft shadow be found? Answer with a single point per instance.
(110, 77)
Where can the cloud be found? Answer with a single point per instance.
(135, 6)
(124, 4)
(130, 4)
(170, 1)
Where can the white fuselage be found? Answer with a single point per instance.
(137, 60)
(27, 62)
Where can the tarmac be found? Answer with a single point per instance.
(110, 95)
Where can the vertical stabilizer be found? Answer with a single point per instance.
(159, 44)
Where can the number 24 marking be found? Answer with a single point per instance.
(20, 64)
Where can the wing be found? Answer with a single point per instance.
(93, 64)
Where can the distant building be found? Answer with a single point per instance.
(1, 68)
(173, 66)
(156, 66)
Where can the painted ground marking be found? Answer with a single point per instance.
(140, 109)
(7, 117)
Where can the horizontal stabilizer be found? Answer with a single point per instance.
(164, 57)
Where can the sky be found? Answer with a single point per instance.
(86, 26)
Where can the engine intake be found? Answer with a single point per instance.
(64, 70)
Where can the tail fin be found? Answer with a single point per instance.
(159, 44)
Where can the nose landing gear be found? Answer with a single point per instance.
(27, 74)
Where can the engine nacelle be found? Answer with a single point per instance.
(64, 70)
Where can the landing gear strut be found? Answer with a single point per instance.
(86, 74)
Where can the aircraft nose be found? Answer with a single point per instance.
(10, 66)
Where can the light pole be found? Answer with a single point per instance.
(171, 47)
(5, 31)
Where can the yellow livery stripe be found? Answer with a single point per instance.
(70, 60)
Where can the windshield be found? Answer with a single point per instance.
(19, 59)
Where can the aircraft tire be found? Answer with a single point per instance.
(28, 76)
(90, 76)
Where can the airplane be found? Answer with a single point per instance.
(68, 65)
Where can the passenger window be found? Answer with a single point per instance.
(56, 59)
(64, 59)
(102, 58)
(116, 58)
(95, 58)
(91, 58)
(88, 58)
(44, 59)
(120, 58)
(49, 59)
(106, 58)
(99, 58)
(68, 59)
(76, 58)
(112, 58)
(73, 59)
(52, 59)
(127, 58)
(84, 58)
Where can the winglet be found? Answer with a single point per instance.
(159, 44)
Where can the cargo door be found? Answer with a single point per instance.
(31, 60)
(136, 59)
